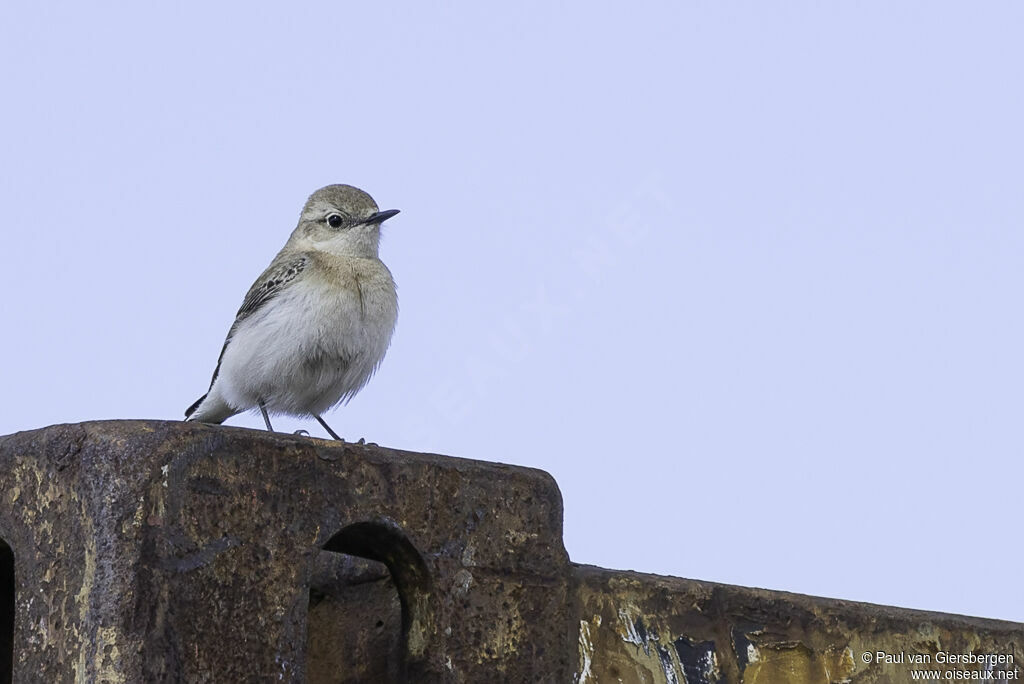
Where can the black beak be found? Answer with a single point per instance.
(381, 216)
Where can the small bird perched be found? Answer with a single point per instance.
(315, 325)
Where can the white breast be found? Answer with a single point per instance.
(315, 344)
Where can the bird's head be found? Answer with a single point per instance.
(342, 220)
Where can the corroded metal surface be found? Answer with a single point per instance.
(155, 551)
(146, 551)
(646, 628)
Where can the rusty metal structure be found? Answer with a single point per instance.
(150, 551)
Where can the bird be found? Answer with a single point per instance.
(315, 326)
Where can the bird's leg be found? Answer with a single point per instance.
(266, 417)
(328, 428)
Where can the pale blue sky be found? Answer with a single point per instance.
(744, 277)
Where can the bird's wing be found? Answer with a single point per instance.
(270, 283)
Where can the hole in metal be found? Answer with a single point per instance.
(6, 613)
(368, 606)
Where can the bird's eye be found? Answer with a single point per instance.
(335, 221)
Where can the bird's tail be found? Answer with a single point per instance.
(192, 409)
(209, 409)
